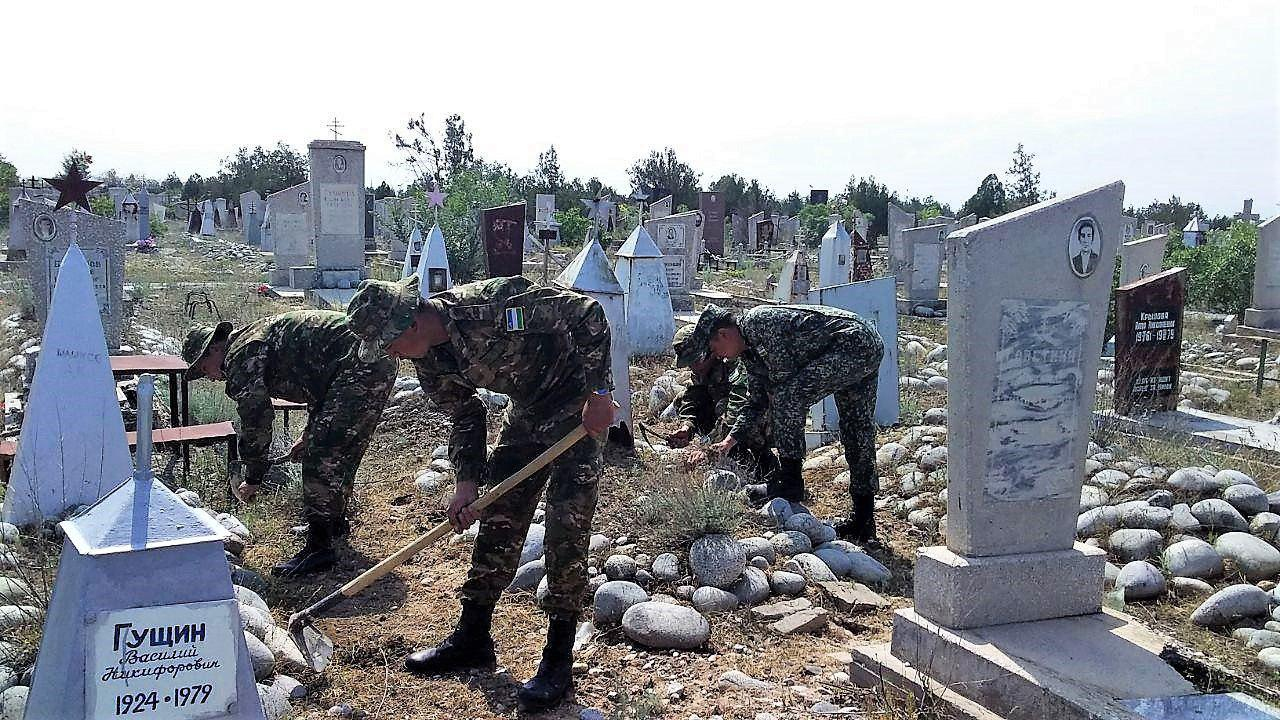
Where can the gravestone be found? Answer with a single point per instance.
(1025, 337)
(220, 218)
(144, 214)
(1141, 258)
(101, 241)
(433, 265)
(72, 447)
(899, 220)
(368, 218)
(544, 209)
(793, 283)
(129, 214)
(818, 197)
(754, 243)
(195, 220)
(117, 195)
(143, 621)
(252, 207)
(502, 229)
(208, 226)
(862, 227)
(860, 267)
(661, 208)
(833, 254)
(290, 228)
(1264, 310)
(1149, 342)
(788, 229)
(412, 253)
(874, 301)
(712, 206)
(766, 235)
(589, 273)
(641, 273)
(738, 228)
(1247, 214)
(923, 249)
(22, 225)
(679, 239)
(1194, 234)
(337, 185)
(1128, 229)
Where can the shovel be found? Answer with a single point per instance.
(317, 649)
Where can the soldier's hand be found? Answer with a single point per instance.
(245, 492)
(680, 438)
(723, 446)
(696, 458)
(598, 413)
(461, 515)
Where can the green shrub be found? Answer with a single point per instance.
(680, 509)
(1220, 272)
(158, 227)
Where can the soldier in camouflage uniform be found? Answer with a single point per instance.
(711, 404)
(548, 350)
(795, 355)
(309, 357)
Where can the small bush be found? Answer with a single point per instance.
(680, 509)
(1219, 273)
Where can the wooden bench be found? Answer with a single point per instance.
(184, 437)
(285, 407)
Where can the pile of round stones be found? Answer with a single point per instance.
(1181, 531)
(929, 360)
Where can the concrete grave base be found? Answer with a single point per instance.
(907, 306)
(1262, 319)
(966, 592)
(1200, 427)
(303, 277)
(875, 667)
(1065, 668)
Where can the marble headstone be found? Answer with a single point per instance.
(738, 230)
(101, 241)
(72, 447)
(923, 249)
(899, 220)
(1025, 329)
(754, 243)
(208, 225)
(680, 240)
(252, 207)
(502, 230)
(1149, 342)
(793, 282)
(589, 273)
(833, 254)
(1141, 258)
(661, 208)
(874, 301)
(22, 225)
(642, 275)
(290, 227)
(1264, 310)
(337, 185)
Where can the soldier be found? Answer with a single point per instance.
(711, 404)
(548, 349)
(307, 356)
(795, 355)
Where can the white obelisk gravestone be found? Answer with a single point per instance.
(72, 447)
(643, 277)
(433, 265)
(589, 273)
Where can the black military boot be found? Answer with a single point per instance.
(470, 645)
(315, 556)
(862, 527)
(790, 479)
(555, 672)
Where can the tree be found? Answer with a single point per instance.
(8, 178)
(459, 153)
(383, 191)
(1172, 212)
(793, 204)
(745, 197)
(259, 169)
(1024, 181)
(873, 198)
(77, 161)
(193, 188)
(663, 172)
(547, 176)
(988, 200)
(172, 184)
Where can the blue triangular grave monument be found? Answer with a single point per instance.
(143, 620)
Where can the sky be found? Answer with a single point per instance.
(1173, 98)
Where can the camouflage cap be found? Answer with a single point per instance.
(686, 354)
(379, 312)
(197, 344)
(699, 340)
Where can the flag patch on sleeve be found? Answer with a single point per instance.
(515, 318)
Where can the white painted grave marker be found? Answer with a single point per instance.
(643, 278)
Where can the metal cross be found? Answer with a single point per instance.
(335, 126)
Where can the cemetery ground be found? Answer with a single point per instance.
(794, 674)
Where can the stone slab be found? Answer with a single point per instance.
(1263, 319)
(1201, 427)
(1225, 706)
(1065, 668)
(966, 592)
(875, 667)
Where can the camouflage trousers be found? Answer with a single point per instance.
(571, 482)
(338, 433)
(848, 370)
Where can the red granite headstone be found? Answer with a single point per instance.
(860, 268)
(502, 230)
(1149, 342)
(712, 206)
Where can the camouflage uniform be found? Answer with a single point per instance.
(795, 356)
(307, 356)
(547, 349)
(712, 403)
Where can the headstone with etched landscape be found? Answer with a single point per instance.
(337, 186)
(72, 447)
(101, 240)
(1149, 342)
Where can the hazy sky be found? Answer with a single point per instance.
(1170, 97)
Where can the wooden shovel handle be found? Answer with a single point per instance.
(368, 577)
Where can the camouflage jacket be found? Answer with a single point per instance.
(711, 404)
(291, 356)
(781, 340)
(546, 348)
